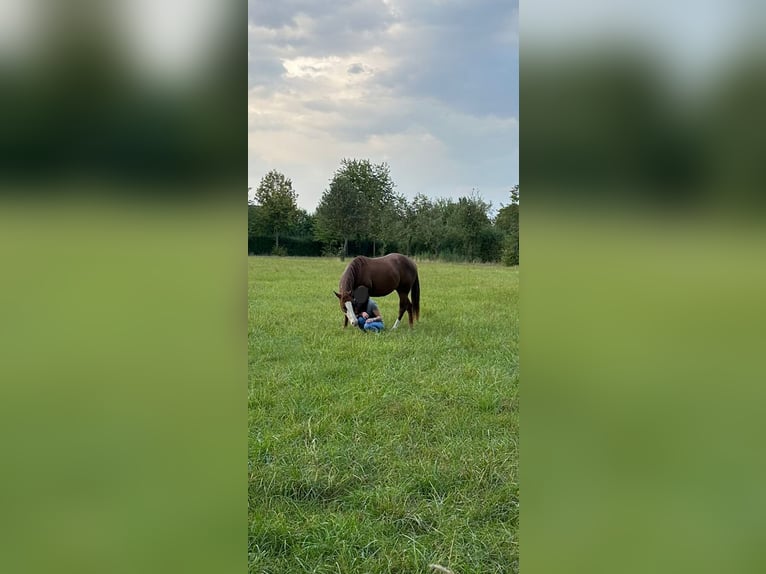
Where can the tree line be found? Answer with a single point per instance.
(361, 214)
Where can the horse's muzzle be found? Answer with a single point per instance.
(350, 312)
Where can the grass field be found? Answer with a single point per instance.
(382, 453)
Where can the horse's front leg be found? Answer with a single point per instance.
(345, 321)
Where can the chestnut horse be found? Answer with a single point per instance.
(380, 276)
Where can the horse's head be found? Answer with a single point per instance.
(347, 304)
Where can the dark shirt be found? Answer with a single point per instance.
(372, 308)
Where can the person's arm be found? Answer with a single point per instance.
(376, 316)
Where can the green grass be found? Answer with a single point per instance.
(382, 453)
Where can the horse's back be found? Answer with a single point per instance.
(402, 266)
(388, 273)
(402, 261)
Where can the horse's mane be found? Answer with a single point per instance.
(348, 279)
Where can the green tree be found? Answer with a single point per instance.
(425, 222)
(396, 227)
(507, 221)
(376, 193)
(303, 226)
(448, 236)
(256, 223)
(277, 201)
(339, 214)
(470, 219)
(359, 204)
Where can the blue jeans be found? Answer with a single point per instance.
(375, 326)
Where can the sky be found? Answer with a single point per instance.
(429, 87)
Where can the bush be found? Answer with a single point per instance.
(301, 246)
(332, 250)
(280, 251)
(490, 242)
(510, 255)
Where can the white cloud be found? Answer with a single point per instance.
(386, 94)
(330, 77)
(301, 27)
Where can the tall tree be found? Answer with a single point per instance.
(507, 221)
(277, 200)
(339, 214)
(376, 193)
(256, 225)
(358, 204)
(425, 221)
(396, 225)
(303, 226)
(471, 218)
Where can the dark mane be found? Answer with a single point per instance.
(349, 278)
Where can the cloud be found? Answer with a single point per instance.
(430, 87)
(465, 54)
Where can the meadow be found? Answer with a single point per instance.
(382, 453)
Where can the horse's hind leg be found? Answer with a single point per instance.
(399, 318)
(404, 305)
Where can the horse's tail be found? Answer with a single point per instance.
(416, 297)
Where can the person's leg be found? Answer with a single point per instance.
(376, 326)
(360, 322)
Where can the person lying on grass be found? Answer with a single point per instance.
(370, 319)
